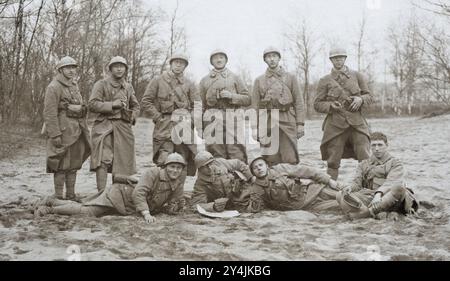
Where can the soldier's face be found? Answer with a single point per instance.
(118, 70)
(174, 170)
(259, 168)
(206, 170)
(69, 71)
(379, 148)
(219, 61)
(272, 60)
(178, 66)
(338, 62)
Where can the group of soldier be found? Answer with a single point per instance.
(226, 178)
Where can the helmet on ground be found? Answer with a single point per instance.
(348, 202)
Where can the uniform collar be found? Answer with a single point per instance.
(63, 80)
(116, 83)
(164, 177)
(223, 72)
(262, 181)
(277, 72)
(374, 160)
(169, 76)
(344, 71)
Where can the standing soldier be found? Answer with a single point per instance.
(278, 89)
(116, 109)
(342, 94)
(66, 127)
(164, 95)
(219, 91)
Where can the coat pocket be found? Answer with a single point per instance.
(167, 106)
(377, 182)
(334, 93)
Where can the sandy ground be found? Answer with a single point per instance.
(423, 145)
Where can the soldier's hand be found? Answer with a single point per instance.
(376, 199)
(149, 218)
(226, 94)
(356, 103)
(75, 107)
(219, 204)
(333, 184)
(300, 131)
(347, 189)
(336, 106)
(57, 141)
(117, 104)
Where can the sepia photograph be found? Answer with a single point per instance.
(228, 131)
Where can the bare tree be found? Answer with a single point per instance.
(365, 51)
(35, 34)
(406, 56)
(177, 37)
(304, 47)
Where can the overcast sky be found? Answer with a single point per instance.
(245, 27)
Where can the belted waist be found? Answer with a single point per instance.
(282, 108)
(75, 114)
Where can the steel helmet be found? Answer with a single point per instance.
(175, 158)
(338, 52)
(66, 61)
(271, 50)
(216, 52)
(203, 158)
(117, 59)
(179, 56)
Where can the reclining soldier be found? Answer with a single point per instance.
(159, 189)
(221, 183)
(287, 187)
(378, 185)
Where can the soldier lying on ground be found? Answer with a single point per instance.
(159, 189)
(378, 186)
(291, 187)
(221, 183)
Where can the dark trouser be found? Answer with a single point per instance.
(228, 151)
(358, 141)
(73, 208)
(106, 162)
(166, 147)
(287, 151)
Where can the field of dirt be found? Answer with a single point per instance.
(423, 145)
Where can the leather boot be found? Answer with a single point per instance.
(334, 173)
(71, 178)
(59, 178)
(386, 203)
(67, 209)
(102, 177)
